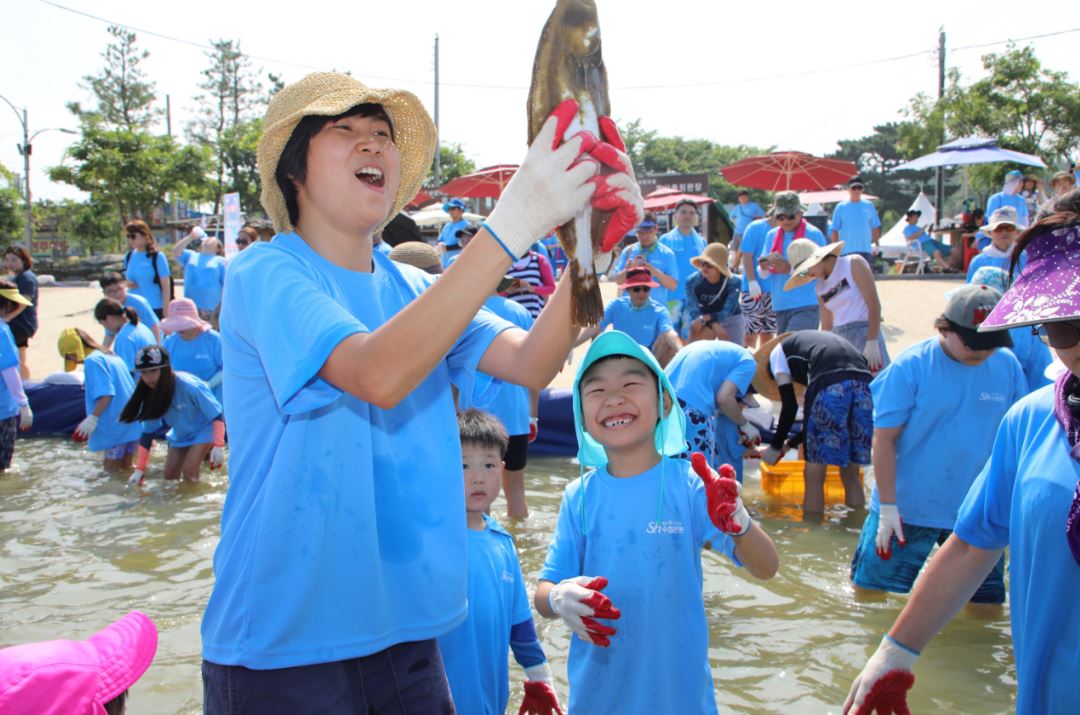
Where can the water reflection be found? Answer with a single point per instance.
(78, 549)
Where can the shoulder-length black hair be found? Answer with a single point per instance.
(148, 403)
(107, 307)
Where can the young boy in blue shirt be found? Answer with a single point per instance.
(633, 527)
(499, 618)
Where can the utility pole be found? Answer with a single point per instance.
(939, 177)
(438, 167)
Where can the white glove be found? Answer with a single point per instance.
(26, 417)
(751, 435)
(755, 290)
(540, 672)
(215, 379)
(771, 455)
(579, 598)
(872, 352)
(86, 427)
(548, 190)
(137, 478)
(884, 681)
(889, 523)
(217, 457)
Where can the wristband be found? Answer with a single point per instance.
(499, 241)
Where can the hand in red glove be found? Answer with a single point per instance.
(618, 192)
(724, 495)
(539, 699)
(578, 601)
(883, 684)
(534, 428)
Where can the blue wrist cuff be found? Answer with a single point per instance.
(901, 646)
(499, 241)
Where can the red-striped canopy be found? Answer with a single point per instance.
(487, 183)
(788, 171)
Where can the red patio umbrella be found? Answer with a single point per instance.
(422, 198)
(788, 171)
(487, 183)
(665, 198)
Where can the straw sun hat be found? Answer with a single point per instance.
(715, 255)
(764, 383)
(804, 254)
(329, 94)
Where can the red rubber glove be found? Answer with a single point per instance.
(883, 684)
(578, 601)
(539, 699)
(724, 495)
(619, 192)
(534, 429)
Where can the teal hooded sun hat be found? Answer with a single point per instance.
(670, 432)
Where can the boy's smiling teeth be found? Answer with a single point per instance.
(618, 420)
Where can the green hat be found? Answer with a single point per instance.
(670, 433)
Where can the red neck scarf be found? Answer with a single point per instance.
(778, 242)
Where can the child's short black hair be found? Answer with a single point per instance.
(110, 279)
(482, 429)
(292, 165)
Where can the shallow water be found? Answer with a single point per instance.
(78, 549)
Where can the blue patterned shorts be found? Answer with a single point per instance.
(840, 427)
(700, 433)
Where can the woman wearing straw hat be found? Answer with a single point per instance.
(712, 298)
(846, 294)
(343, 535)
(1027, 498)
(838, 422)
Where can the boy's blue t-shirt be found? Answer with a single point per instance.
(1021, 500)
(745, 214)
(448, 234)
(752, 241)
(1034, 356)
(128, 341)
(200, 356)
(141, 272)
(949, 412)
(684, 247)
(644, 324)
(107, 375)
(803, 296)
(659, 256)
(855, 221)
(204, 277)
(505, 400)
(343, 531)
(992, 259)
(147, 316)
(699, 369)
(1002, 199)
(658, 661)
(9, 357)
(192, 413)
(476, 653)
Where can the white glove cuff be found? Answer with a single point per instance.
(539, 672)
(514, 236)
(897, 652)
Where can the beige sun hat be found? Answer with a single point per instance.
(417, 254)
(716, 255)
(330, 94)
(764, 383)
(804, 254)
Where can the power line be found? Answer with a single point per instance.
(687, 85)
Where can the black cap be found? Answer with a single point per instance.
(856, 181)
(151, 357)
(469, 231)
(913, 212)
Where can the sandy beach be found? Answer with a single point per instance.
(910, 307)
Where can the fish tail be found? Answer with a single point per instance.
(586, 302)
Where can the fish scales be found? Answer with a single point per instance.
(569, 65)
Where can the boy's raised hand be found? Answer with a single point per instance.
(578, 601)
(724, 495)
(539, 699)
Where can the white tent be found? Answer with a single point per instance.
(893, 243)
(433, 215)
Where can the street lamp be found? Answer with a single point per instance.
(25, 150)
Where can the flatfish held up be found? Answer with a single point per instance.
(568, 65)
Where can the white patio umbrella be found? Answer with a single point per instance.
(970, 150)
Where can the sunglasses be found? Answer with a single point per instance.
(242, 242)
(785, 217)
(856, 188)
(1060, 336)
(639, 289)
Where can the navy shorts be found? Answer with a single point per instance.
(899, 572)
(840, 426)
(517, 452)
(404, 679)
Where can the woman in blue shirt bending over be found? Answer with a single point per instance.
(195, 347)
(108, 388)
(124, 324)
(146, 267)
(186, 405)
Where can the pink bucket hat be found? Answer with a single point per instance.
(1048, 287)
(66, 677)
(183, 315)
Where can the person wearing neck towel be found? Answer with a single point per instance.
(795, 309)
(685, 242)
(1003, 229)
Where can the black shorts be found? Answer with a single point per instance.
(517, 452)
(22, 338)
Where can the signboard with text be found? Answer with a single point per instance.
(686, 183)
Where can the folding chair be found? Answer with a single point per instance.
(914, 256)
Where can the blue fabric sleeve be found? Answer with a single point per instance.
(204, 398)
(875, 220)
(894, 396)
(97, 381)
(464, 357)
(526, 645)
(664, 320)
(567, 548)
(743, 373)
(620, 264)
(837, 222)
(163, 266)
(608, 317)
(983, 518)
(187, 256)
(9, 354)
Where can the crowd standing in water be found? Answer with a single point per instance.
(349, 578)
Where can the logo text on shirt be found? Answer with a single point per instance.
(665, 527)
(991, 397)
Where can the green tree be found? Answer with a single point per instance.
(231, 93)
(239, 144)
(452, 164)
(11, 218)
(91, 224)
(124, 96)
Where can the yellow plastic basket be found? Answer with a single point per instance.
(785, 480)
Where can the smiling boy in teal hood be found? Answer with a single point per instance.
(636, 523)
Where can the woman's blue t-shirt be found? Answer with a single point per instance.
(200, 356)
(108, 376)
(147, 316)
(128, 341)
(141, 272)
(343, 531)
(204, 278)
(9, 357)
(191, 414)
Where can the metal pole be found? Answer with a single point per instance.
(26, 148)
(939, 177)
(438, 162)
